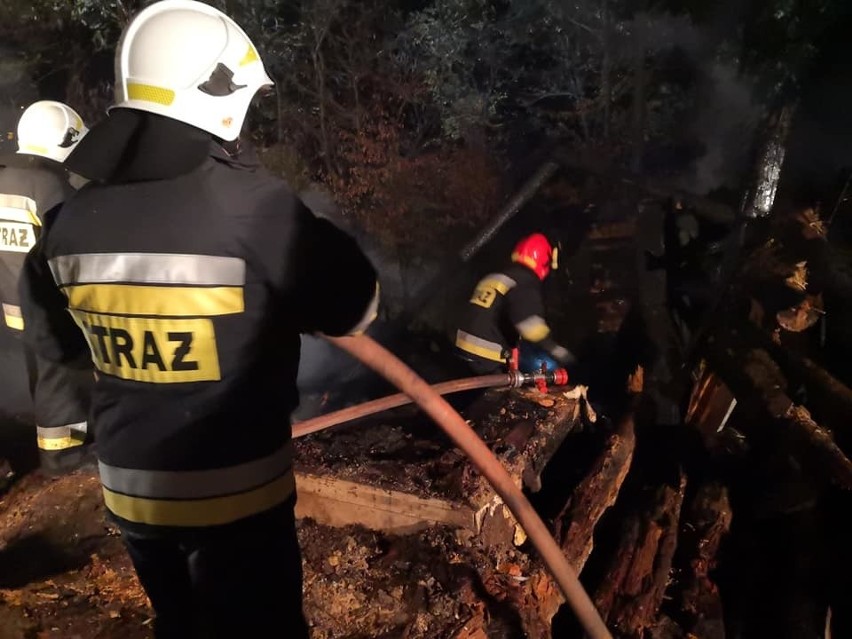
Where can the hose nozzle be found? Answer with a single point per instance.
(540, 380)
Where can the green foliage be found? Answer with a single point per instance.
(405, 108)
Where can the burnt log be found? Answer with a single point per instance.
(632, 589)
(535, 600)
(830, 398)
(595, 494)
(706, 523)
(758, 385)
(767, 174)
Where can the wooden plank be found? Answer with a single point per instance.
(336, 502)
(523, 427)
(710, 404)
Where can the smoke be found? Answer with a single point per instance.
(724, 124)
(726, 112)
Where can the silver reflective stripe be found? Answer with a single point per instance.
(18, 208)
(58, 432)
(534, 328)
(505, 280)
(11, 310)
(148, 268)
(197, 484)
(461, 336)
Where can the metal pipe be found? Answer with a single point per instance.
(391, 368)
(321, 422)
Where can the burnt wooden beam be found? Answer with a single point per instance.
(706, 522)
(596, 493)
(830, 398)
(757, 382)
(632, 589)
(337, 502)
(523, 427)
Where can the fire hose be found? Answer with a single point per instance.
(512, 379)
(380, 360)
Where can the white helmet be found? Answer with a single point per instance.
(188, 61)
(50, 129)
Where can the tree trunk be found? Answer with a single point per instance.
(640, 111)
(606, 70)
(319, 70)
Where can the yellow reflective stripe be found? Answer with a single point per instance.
(200, 512)
(150, 93)
(32, 148)
(12, 315)
(250, 56)
(152, 350)
(61, 437)
(500, 286)
(59, 443)
(533, 329)
(479, 347)
(172, 301)
(16, 237)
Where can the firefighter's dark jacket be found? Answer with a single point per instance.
(191, 280)
(30, 190)
(505, 307)
(29, 187)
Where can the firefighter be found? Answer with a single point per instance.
(190, 273)
(32, 183)
(692, 259)
(507, 308)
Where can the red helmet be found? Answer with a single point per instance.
(536, 253)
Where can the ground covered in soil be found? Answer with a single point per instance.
(64, 573)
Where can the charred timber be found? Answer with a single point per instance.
(632, 589)
(761, 197)
(757, 383)
(707, 521)
(596, 493)
(830, 398)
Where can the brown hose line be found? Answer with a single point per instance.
(388, 366)
(321, 422)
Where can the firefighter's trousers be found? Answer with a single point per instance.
(239, 580)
